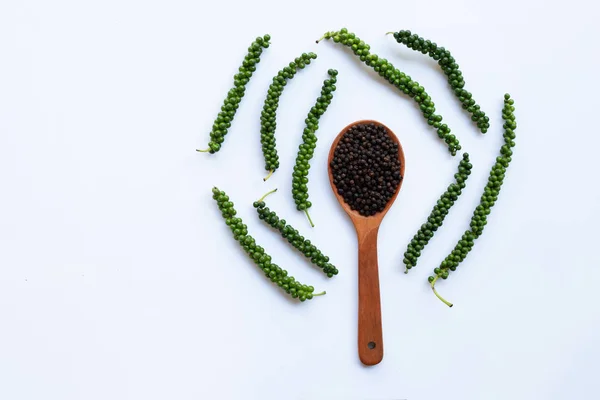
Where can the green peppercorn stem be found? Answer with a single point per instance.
(309, 250)
(398, 79)
(266, 194)
(452, 71)
(272, 271)
(310, 221)
(234, 96)
(487, 201)
(306, 150)
(269, 175)
(268, 121)
(446, 302)
(438, 214)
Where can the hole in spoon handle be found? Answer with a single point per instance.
(370, 337)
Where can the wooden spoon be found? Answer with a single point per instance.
(370, 338)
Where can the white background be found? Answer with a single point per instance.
(119, 280)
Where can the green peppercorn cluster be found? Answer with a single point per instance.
(452, 71)
(268, 122)
(439, 212)
(309, 142)
(400, 80)
(272, 271)
(235, 94)
(292, 235)
(487, 201)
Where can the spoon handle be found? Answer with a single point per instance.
(370, 337)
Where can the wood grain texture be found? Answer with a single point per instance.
(370, 335)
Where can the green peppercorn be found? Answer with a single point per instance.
(294, 238)
(489, 196)
(268, 123)
(234, 96)
(437, 215)
(307, 148)
(272, 271)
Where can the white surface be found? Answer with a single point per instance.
(118, 279)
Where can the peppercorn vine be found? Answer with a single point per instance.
(309, 142)
(257, 253)
(439, 212)
(234, 96)
(400, 80)
(487, 201)
(450, 68)
(268, 122)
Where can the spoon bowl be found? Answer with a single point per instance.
(370, 337)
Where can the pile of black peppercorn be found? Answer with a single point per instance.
(366, 168)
